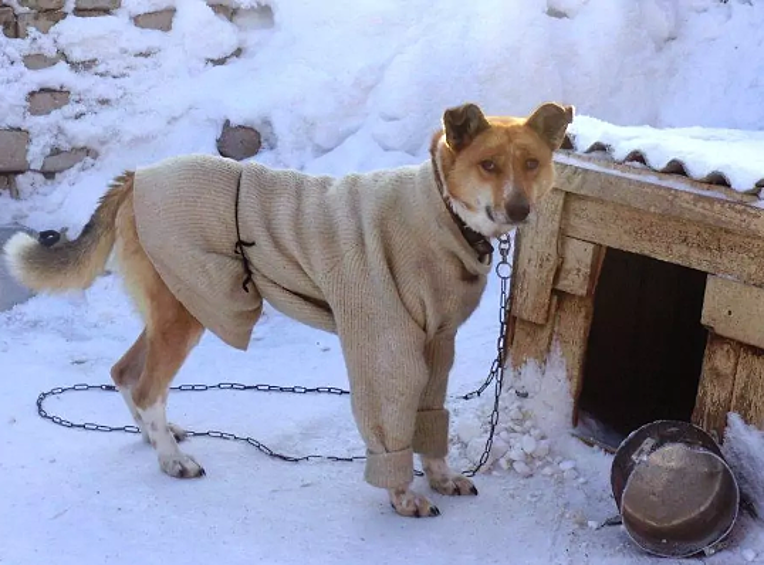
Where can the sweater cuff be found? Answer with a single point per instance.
(431, 433)
(390, 470)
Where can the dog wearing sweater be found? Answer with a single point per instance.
(391, 261)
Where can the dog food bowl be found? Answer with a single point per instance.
(675, 492)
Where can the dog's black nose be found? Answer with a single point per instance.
(517, 207)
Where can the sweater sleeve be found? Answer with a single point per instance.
(383, 349)
(431, 431)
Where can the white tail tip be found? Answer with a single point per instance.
(15, 249)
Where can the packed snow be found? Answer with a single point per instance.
(333, 87)
(737, 155)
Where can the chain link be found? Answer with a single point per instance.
(495, 375)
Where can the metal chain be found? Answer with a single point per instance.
(495, 375)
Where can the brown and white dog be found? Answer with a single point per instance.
(491, 172)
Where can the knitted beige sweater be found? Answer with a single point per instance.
(375, 258)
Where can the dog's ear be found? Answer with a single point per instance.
(463, 124)
(550, 121)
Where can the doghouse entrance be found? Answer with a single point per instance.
(646, 344)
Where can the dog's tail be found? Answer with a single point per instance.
(71, 264)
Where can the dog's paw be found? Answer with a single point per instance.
(408, 503)
(181, 466)
(454, 485)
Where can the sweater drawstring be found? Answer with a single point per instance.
(241, 244)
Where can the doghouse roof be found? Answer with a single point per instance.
(730, 160)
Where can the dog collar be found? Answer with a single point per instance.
(476, 240)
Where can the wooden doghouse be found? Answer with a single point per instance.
(652, 286)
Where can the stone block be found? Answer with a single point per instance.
(58, 161)
(90, 13)
(8, 184)
(251, 19)
(42, 21)
(224, 60)
(45, 101)
(13, 151)
(83, 66)
(104, 5)
(42, 5)
(223, 10)
(238, 142)
(8, 22)
(38, 61)
(161, 20)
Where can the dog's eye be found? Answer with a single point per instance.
(488, 165)
(531, 164)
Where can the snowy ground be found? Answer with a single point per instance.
(83, 497)
(349, 86)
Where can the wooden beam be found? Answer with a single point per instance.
(531, 341)
(671, 195)
(578, 262)
(734, 310)
(538, 260)
(666, 238)
(717, 381)
(748, 392)
(574, 320)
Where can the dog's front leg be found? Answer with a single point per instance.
(387, 371)
(431, 434)
(445, 481)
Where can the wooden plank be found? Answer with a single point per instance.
(538, 260)
(717, 380)
(531, 341)
(574, 319)
(578, 262)
(711, 250)
(734, 310)
(698, 202)
(511, 319)
(748, 392)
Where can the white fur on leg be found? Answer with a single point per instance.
(178, 432)
(171, 459)
(443, 480)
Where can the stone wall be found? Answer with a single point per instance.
(234, 141)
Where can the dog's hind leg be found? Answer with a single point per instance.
(170, 336)
(148, 368)
(125, 375)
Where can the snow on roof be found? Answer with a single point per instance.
(733, 158)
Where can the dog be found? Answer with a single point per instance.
(392, 261)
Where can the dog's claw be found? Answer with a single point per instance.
(474, 490)
(434, 511)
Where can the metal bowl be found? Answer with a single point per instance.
(675, 492)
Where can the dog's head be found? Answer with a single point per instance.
(494, 169)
